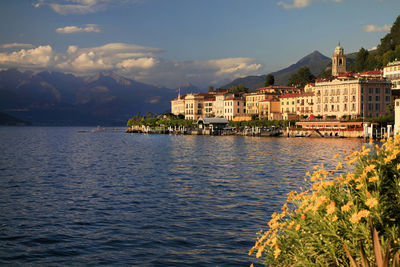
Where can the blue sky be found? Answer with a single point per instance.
(172, 42)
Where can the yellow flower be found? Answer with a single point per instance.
(389, 158)
(290, 225)
(398, 166)
(371, 202)
(277, 251)
(373, 179)
(298, 227)
(359, 186)
(336, 156)
(331, 208)
(370, 168)
(347, 206)
(334, 218)
(303, 217)
(339, 166)
(357, 216)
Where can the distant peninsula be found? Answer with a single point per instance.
(8, 120)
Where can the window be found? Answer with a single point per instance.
(377, 98)
(377, 90)
(354, 98)
(345, 107)
(377, 106)
(387, 98)
(387, 90)
(370, 106)
(370, 90)
(370, 98)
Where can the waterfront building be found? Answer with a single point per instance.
(193, 106)
(392, 73)
(252, 100)
(288, 105)
(352, 95)
(338, 61)
(305, 104)
(219, 104)
(234, 106)
(178, 105)
(269, 109)
(208, 105)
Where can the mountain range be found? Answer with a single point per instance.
(54, 98)
(315, 61)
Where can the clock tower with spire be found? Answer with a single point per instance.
(338, 61)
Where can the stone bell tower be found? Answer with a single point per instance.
(338, 61)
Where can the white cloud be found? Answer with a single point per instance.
(374, 28)
(41, 56)
(12, 45)
(296, 4)
(140, 63)
(66, 7)
(301, 3)
(75, 29)
(137, 62)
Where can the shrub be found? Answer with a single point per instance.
(316, 225)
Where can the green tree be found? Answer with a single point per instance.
(301, 77)
(326, 73)
(238, 89)
(210, 88)
(269, 80)
(360, 63)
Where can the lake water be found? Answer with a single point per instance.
(69, 196)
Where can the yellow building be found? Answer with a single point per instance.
(252, 101)
(288, 105)
(268, 108)
(352, 95)
(193, 106)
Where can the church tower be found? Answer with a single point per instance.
(338, 61)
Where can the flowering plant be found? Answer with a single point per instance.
(321, 226)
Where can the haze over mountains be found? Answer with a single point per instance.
(55, 98)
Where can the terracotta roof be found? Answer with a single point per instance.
(371, 72)
(346, 74)
(288, 95)
(306, 94)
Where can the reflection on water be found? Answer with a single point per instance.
(73, 198)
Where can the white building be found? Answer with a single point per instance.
(392, 73)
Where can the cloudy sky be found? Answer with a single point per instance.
(172, 42)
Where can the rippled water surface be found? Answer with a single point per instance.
(69, 196)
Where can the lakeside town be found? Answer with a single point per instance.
(320, 107)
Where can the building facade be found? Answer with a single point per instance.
(392, 73)
(234, 106)
(352, 96)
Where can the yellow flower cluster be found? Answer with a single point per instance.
(330, 200)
